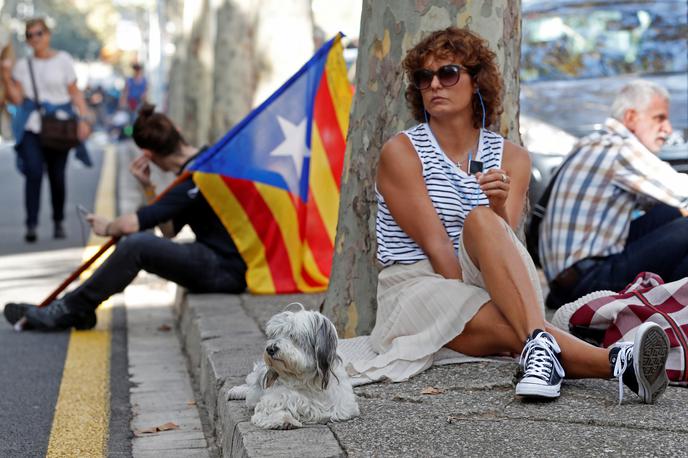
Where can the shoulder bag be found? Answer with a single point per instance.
(56, 133)
(603, 318)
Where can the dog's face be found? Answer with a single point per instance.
(301, 345)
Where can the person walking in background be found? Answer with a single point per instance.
(615, 206)
(135, 90)
(450, 196)
(55, 80)
(210, 264)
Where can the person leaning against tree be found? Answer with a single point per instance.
(55, 80)
(453, 272)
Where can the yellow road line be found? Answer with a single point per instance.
(82, 414)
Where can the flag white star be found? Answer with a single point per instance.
(294, 143)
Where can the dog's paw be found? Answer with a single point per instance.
(237, 392)
(289, 422)
(276, 420)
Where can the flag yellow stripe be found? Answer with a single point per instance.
(313, 270)
(239, 226)
(340, 89)
(284, 213)
(323, 186)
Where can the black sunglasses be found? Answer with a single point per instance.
(37, 33)
(447, 75)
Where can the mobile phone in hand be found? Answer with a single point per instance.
(475, 167)
(82, 211)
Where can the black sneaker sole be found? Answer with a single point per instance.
(14, 312)
(650, 352)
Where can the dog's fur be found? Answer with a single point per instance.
(302, 379)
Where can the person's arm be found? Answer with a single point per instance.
(123, 225)
(124, 95)
(641, 172)
(507, 198)
(13, 89)
(400, 181)
(86, 118)
(140, 169)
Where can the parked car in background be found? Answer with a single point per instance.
(575, 57)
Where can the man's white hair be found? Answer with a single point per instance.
(636, 95)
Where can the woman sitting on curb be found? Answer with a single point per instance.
(454, 273)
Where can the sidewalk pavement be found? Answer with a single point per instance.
(475, 412)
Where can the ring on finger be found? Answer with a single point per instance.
(504, 178)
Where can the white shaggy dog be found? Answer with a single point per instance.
(302, 379)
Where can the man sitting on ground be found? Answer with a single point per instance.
(615, 208)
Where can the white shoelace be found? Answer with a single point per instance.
(622, 360)
(539, 356)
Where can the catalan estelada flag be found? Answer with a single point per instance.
(274, 179)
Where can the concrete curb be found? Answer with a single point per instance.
(222, 341)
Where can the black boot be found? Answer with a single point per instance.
(30, 235)
(53, 317)
(59, 232)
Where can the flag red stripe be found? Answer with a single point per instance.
(265, 226)
(331, 134)
(318, 238)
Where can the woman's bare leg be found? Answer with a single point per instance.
(488, 333)
(493, 252)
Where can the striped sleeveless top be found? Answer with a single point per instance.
(453, 193)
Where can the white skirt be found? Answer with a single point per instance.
(419, 312)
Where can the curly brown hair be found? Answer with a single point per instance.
(474, 54)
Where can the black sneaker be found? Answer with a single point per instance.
(56, 316)
(641, 365)
(30, 235)
(58, 231)
(542, 369)
(15, 312)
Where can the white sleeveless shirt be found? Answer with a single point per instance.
(452, 191)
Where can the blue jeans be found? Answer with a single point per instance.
(657, 242)
(36, 159)
(192, 265)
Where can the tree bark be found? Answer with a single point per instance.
(197, 71)
(235, 71)
(388, 29)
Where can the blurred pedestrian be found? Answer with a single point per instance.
(135, 90)
(615, 208)
(55, 81)
(209, 264)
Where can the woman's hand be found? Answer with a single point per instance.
(99, 224)
(140, 168)
(6, 68)
(83, 130)
(495, 183)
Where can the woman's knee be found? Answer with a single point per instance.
(479, 220)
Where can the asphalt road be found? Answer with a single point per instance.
(31, 364)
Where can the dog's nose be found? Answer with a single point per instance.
(272, 349)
